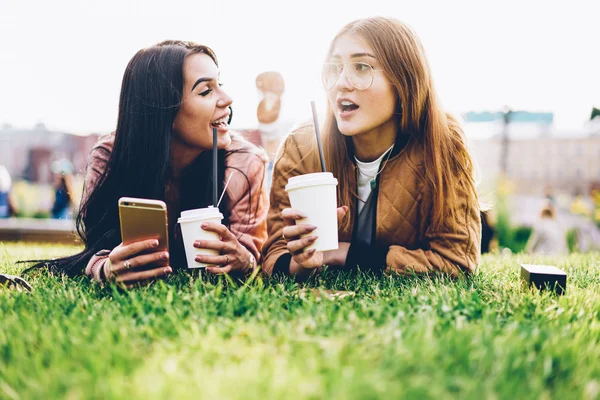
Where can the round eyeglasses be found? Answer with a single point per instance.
(359, 74)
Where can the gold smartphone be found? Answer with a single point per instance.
(143, 219)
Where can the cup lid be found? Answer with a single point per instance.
(314, 179)
(200, 213)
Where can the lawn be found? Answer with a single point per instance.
(198, 337)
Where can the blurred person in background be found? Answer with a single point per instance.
(63, 189)
(7, 207)
(271, 87)
(547, 237)
(271, 128)
(406, 182)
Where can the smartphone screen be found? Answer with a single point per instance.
(143, 219)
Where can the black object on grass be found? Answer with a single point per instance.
(544, 277)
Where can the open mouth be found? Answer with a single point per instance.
(346, 106)
(221, 122)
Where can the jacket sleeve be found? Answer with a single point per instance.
(95, 269)
(97, 162)
(288, 163)
(249, 203)
(453, 252)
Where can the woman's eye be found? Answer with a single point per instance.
(206, 92)
(361, 67)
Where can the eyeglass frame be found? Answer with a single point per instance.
(337, 64)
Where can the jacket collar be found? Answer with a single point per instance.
(402, 139)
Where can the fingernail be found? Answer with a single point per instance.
(312, 227)
(313, 238)
(312, 251)
(204, 225)
(155, 243)
(164, 256)
(197, 244)
(168, 270)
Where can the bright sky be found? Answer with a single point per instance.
(62, 61)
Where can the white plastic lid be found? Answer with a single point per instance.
(200, 214)
(314, 179)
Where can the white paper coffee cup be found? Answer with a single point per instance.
(315, 195)
(191, 228)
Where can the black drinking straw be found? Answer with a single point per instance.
(318, 133)
(215, 175)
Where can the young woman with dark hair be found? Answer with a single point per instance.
(170, 101)
(406, 187)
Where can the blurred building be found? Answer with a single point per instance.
(538, 156)
(29, 153)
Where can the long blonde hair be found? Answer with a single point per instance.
(448, 163)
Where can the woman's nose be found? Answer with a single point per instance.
(343, 82)
(225, 100)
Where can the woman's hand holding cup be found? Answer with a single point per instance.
(233, 255)
(137, 263)
(299, 237)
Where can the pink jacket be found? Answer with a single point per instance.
(248, 199)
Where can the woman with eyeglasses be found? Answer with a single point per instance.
(171, 100)
(406, 189)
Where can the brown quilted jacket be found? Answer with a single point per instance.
(403, 221)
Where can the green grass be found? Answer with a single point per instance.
(199, 337)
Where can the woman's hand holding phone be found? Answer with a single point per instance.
(137, 263)
(303, 261)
